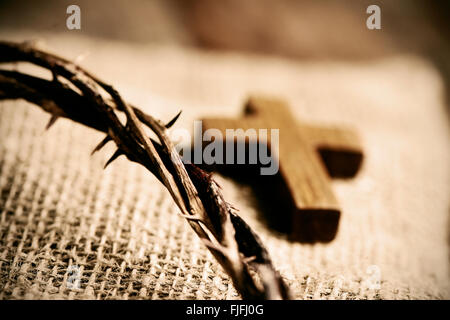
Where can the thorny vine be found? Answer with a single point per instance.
(78, 95)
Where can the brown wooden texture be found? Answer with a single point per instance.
(308, 157)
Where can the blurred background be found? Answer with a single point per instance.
(327, 29)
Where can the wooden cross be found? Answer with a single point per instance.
(308, 157)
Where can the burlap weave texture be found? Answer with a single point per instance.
(120, 229)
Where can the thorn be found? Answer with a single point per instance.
(101, 144)
(171, 122)
(55, 76)
(189, 217)
(249, 259)
(232, 207)
(213, 246)
(113, 157)
(51, 121)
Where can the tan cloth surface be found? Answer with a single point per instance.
(119, 226)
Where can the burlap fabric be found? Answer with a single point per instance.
(119, 229)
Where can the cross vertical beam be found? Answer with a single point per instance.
(308, 157)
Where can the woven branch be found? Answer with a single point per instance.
(75, 94)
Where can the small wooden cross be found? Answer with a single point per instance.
(308, 157)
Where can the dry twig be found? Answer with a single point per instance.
(76, 94)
